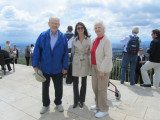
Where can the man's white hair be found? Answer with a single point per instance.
(55, 18)
(135, 30)
(100, 22)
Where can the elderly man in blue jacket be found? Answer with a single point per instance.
(51, 53)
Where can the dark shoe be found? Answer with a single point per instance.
(121, 82)
(10, 69)
(3, 68)
(75, 105)
(81, 105)
(145, 85)
(132, 83)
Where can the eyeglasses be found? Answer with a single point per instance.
(78, 28)
(54, 23)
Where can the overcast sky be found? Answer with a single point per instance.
(24, 20)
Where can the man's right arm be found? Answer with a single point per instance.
(37, 53)
(125, 40)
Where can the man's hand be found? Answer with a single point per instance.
(64, 71)
(101, 75)
(142, 61)
(35, 69)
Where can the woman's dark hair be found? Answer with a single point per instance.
(157, 32)
(85, 30)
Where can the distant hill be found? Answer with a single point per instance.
(117, 48)
(145, 42)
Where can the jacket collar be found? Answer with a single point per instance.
(58, 40)
(102, 38)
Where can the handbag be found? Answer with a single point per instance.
(39, 76)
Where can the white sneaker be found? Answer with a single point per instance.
(60, 108)
(101, 114)
(44, 109)
(94, 107)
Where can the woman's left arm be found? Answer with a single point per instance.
(106, 65)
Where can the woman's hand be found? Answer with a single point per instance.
(101, 75)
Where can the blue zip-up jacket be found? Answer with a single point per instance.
(51, 61)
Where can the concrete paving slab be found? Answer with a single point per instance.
(150, 102)
(20, 99)
(8, 112)
(132, 109)
(152, 114)
(132, 118)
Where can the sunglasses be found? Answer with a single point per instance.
(78, 28)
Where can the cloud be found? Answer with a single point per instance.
(29, 18)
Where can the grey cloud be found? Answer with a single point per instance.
(17, 25)
(140, 15)
(8, 13)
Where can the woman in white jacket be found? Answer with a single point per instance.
(101, 60)
(81, 62)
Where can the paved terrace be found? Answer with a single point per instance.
(20, 99)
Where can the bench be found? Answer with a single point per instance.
(3, 62)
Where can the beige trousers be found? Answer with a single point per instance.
(100, 89)
(156, 77)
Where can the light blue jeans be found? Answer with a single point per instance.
(132, 59)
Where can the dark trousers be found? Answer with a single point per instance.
(79, 97)
(58, 86)
(15, 60)
(27, 60)
(138, 77)
(8, 66)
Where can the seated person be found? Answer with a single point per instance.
(6, 55)
(140, 62)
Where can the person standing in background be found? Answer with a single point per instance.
(7, 48)
(31, 52)
(27, 54)
(130, 55)
(16, 53)
(69, 36)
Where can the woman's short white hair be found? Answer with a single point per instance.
(100, 22)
